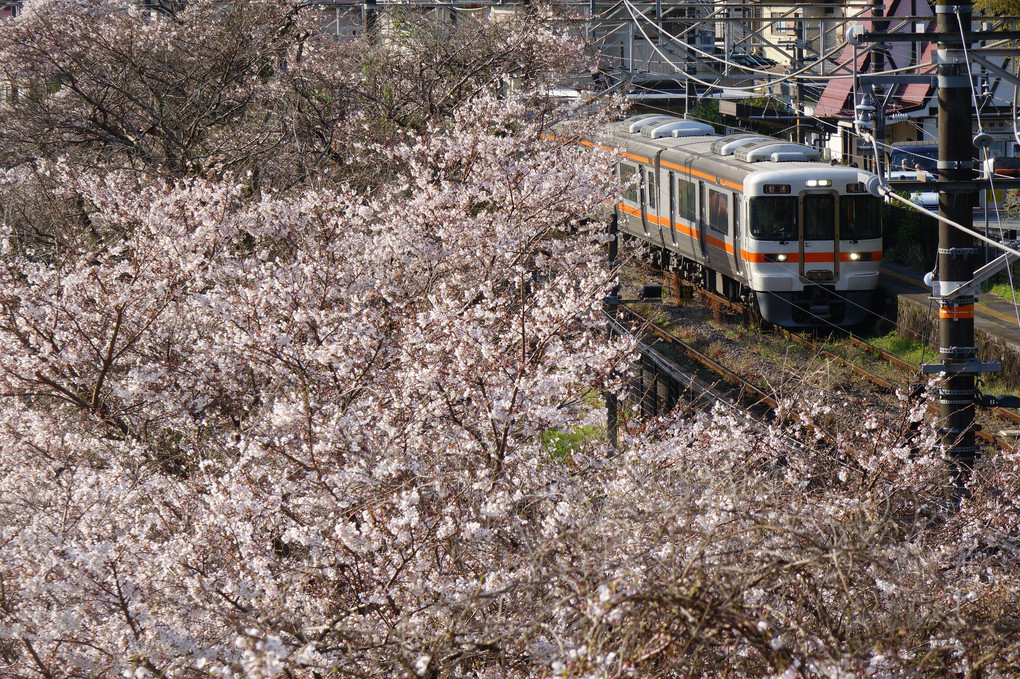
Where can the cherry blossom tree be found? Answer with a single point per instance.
(109, 80)
(308, 430)
(255, 87)
(293, 429)
(302, 436)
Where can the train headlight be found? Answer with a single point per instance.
(779, 257)
(812, 183)
(860, 256)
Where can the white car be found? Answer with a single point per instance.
(926, 199)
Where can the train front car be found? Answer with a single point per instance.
(814, 244)
(753, 216)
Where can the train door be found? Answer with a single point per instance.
(673, 210)
(688, 238)
(720, 208)
(819, 237)
(703, 238)
(662, 224)
(648, 210)
(738, 235)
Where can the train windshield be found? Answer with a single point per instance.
(819, 216)
(774, 218)
(860, 217)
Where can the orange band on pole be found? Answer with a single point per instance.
(957, 313)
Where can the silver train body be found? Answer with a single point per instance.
(752, 217)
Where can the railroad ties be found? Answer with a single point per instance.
(662, 385)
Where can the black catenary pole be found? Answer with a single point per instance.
(369, 13)
(957, 252)
(877, 66)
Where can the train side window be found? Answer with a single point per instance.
(627, 173)
(819, 217)
(773, 218)
(736, 217)
(718, 211)
(685, 192)
(650, 188)
(860, 217)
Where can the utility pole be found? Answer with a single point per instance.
(877, 66)
(611, 308)
(658, 23)
(798, 52)
(957, 253)
(727, 39)
(369, 17)
(956, 280)
(690, 65)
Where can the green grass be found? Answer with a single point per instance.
(560, 445)
(1005, 291)
(990, 384)
(909, 350)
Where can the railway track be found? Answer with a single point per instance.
(662, 365)
(751, 394)
(741, 391)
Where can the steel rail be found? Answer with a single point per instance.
(875, 379)
(731, 377)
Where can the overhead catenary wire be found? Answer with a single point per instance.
(989, 165)
(798, 74)
(793, 75)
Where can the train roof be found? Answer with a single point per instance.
(731, 157)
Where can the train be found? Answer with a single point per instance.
(752, 217)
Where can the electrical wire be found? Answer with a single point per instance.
(970, 76)
(793, 75)
(715, 86)
(989, 165)
(796, 74)
(886, 190)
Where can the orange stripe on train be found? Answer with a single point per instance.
(703, 175)
(815, 257)
(754, 257)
